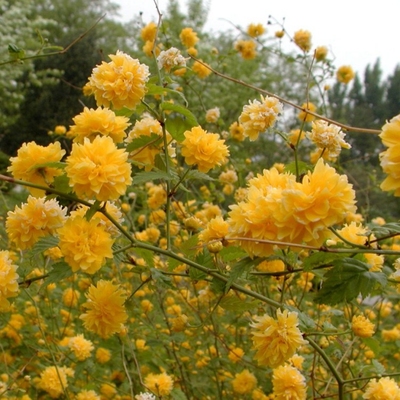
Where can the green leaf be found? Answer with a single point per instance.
(143, 141)
(195, 174)
(379, 368)
(231, 253)
(44, 244)
(347, 279)
(153, 89)
(320, 258)
(190, 118)
(162, 279)
(373, 344)
(15, 52)
(143, 177)
(196, 274)
(381, 231)
(177, 125)
(92, 210)
(237, 271)
(53, 164)
(234, 303)
(205, 259)
(61, 183)
(124, 112)
(189, 247)
(177, 394)
(60, 271)
(303, 168)
(147, 255)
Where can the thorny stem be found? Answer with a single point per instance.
(290, 103)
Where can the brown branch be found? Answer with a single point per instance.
(281, 99)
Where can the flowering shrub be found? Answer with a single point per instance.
(157, 263)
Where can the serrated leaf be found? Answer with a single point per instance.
(196, 174)
(44, 244)
(382, 231)
(161, 279)
(196, 274)
(236, 272)
(217, 286)
(234, 303)
(143, 177)
(189, 247)
(177, 394)
(147, 256)
(305, 321)
(177, 125)
(143, 141)
(231, 253)
(347, 279)
(61, 183)
(320, 258)
(373, 344)
(60, 271)
(379, 368)
(52, 164)
(205, 259)
(190, 118)
(124, 112)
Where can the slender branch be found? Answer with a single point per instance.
(290, 103)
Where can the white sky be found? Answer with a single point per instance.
(356, 31)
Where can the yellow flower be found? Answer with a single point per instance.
(103, 355)
(362, 326)
(188, 37)
(275, 341)
(279, 34)
(100, 122)
(320, 53)
(8, 280)
(354, 233)
(255, 30)
(216, 229)
(237, 131)
(244, 382)
(87, 395)
(293, 136)
(390, 158)
(85, 244)
(329, 137)
(246, 48)
(288, 384)
(149, 48)
(302, 39)
(257, 117)
(383, 389)
(53, 380)
(98, 169)
(29, 165)
(236, 354)
(212, 115)
(121, 82)
(60, 130)
(70, 297)
(148, 32)
(160, 384)
(105, 311)
(145, 156)
(345, 74)
(303, 115)
(200, 69)
(35, 219)
(204, 149)
(170, 58)
(81, 347)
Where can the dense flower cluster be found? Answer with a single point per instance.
(246, 48)
(345, 74)
(362, 326)
(30, 165)
(390, 158)
(98, 170)
(170, 58)
(105, 311)
(85, 244)
(257, 116)
(328, 137)
(255, 30)
(288, 384)
(278, 208)
(160, 384)
(188, 37)
(382, 389)
(120, 83)
(81, 347)
(302, 39)
(8, 280)
(206, 150)
(100, 122)
(34, 219)
(276, 340)
(54, 380)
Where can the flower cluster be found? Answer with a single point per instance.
(277, 208)
(302, 39)
(389, 159)
(206, 150)
(32, 164)
(8, 282)
(98, 170)
(345, 74)
(120, 83)
(257, 116)
(275, 341)
(170, 58)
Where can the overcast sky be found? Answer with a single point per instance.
(356, 31)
